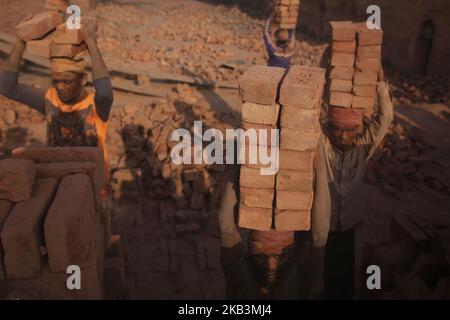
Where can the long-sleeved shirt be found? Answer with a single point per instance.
(346, 168)
(299, 275)
(277, 58)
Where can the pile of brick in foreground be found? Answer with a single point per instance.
(50, 218)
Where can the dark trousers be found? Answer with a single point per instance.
(339, 265)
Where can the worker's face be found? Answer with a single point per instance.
(344, 137)
(268, 266)
(68, 85)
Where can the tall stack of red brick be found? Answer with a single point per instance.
(50, 219)
(355, 64)
(290, 103)
(286, 13)
(260, 110)
(300, 98)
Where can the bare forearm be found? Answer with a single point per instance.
(13, 62)
(99, 69)
(321, 212)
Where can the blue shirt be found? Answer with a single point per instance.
(276, 59)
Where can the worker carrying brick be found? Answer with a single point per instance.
(280, 45)
(349, 144)
(74, 116)
(279, 264)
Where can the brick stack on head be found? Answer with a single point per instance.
(290, 103)
(355, 64)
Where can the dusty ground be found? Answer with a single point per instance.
(216, 43)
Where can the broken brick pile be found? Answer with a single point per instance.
(50, 218)
(355, 64)
(47, 35)
(414, 260)
(139, 147)
(19, 125)
(290, 103)
(406, 160)
(286, 13)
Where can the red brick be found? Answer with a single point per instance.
(22, 233)
(296, 160)
(71, 222)
(292, 139)
(255, 218)
(363, 102)
(288, 25)
(85, 5)
(258, 163)
(257, 128)
(341, 99)
(294, 200)
(38, 26)
(125, 179)
(57, 154)
(367, 37)
(40, 48)
(16, 179)
(56, 5)
(287, 220)
(365, 79)
(197, 200)
(252, 178)
(368, 52)
(186, 228)
(66, 50)
(92, 277)
(291, 180)
(59, 170)
(302, 87)
(368, 65)
(342, 59)
(365, 91)
(339, 85)
(260, 113)
(344, 73)
(306, 120)
(343, 30)
(294, 3)
(256, 198)
(69, 36)
(203, 184)
(344, 46)
(5, 208)
(259, 84)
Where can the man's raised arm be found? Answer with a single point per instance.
(9, 86)
(100, 75)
